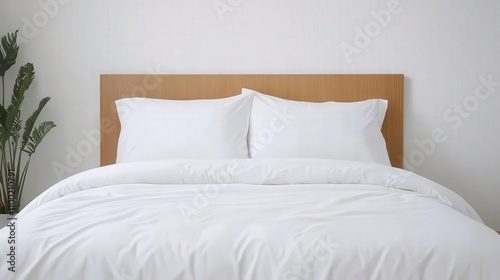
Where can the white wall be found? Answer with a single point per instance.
(443, 48)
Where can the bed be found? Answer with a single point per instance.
(250, 177)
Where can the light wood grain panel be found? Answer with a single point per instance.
(314, 88)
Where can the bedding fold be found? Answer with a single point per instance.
(253, 171)
(249, 219)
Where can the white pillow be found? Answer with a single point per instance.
(154, 129)
(281, 128)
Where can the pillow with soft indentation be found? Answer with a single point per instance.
(281, 128)
(153, 129)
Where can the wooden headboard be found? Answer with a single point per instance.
(310, 87)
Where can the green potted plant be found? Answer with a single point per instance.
(18, 142)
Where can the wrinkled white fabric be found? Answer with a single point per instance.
(250, 219)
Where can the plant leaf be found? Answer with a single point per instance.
(8, 52)
(24, 78)
(30, 122)
(2, 62)
(3, 115)
(3, 118)
(37, 136)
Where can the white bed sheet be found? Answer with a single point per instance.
(250, 219)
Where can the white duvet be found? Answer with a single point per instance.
(249, 219)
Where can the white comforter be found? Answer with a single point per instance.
(249, 219)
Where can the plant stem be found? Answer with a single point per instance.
(5, 179)
(3, 91)
(20, 177)
(21, 183)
